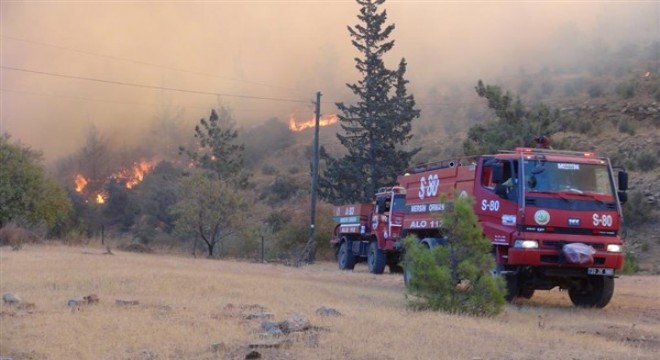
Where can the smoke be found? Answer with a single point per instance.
(121, 66)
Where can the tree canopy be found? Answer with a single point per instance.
(218, 150)
(515, 124)
(377, 128)
(27, 192)
(455, 277)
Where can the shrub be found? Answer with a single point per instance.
(626, 126)
(581, 125)
(630, 264)
(626, 90)
(636, 210)
(16, 236)
(268, 169)
(646, 161)
(455, 277)
(596, 90)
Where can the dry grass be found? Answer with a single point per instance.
(182, 311)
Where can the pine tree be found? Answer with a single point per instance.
(455, 277)
(218, 150)
(515, 124)
(377, 128)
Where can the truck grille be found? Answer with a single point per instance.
(557, 259)
(560, 244)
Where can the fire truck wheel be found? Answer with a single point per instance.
(512, 283)
(375, 259)
(596, 292)
(345, 257)
(526, 293)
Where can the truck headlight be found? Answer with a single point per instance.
(615, 248)
(526, 244)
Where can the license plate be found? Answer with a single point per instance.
(600, 271)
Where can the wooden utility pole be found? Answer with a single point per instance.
(310, 249)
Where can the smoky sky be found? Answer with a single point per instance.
(120, 65)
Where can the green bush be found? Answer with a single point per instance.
(646, 161)
(626, 126)
(455, 277)
(630, 264)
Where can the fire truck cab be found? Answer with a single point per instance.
(370, 232)
(553, 217)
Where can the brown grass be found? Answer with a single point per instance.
(183, 309)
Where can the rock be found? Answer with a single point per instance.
(74, 303)
(217, 347)
(271, 328)
(253, 355)
(295, 322)
(91, 299)
(10, 298)
(324, 311)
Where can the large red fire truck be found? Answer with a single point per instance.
(553, 218)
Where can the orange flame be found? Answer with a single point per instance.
(101, 198)
(323, 121)
(81, 182)
(135, 174)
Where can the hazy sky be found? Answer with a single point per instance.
(68, 64)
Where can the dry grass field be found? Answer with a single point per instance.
(185, 306)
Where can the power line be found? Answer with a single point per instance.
(146, 63)
(109, 101)
(154, 87)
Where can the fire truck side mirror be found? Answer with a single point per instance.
(623, 180)
(623, 196)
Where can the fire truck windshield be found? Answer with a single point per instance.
(573, 177)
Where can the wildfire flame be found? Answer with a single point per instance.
(81, 182)
(130, 177)
(300, 126)
(135, 174)
(100, 198)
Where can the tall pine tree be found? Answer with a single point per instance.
(377, 128)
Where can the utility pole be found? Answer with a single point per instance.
(310, 249)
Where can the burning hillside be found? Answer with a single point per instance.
(129, 177)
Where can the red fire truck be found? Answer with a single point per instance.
(553, 218)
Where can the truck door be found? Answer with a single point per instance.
(497, 213)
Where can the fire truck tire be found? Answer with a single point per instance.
(526, 293)
(345, 257)
(375, 259)
(596, 292)
(512, 283)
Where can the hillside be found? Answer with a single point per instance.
(622, 129)
(172, 307)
